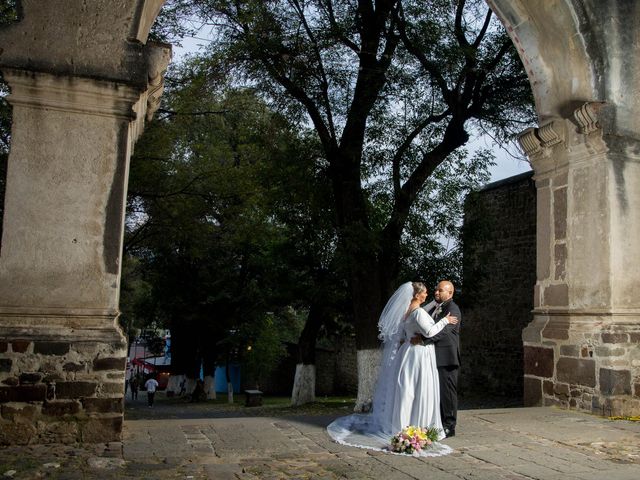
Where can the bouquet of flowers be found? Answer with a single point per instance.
(413, 439)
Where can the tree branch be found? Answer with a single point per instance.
(462, 39)
(402, 149)
(324, 83)
(328, 6)
(483, 30)
(429, 66)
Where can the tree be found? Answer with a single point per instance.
(201, 222)
(391, 89)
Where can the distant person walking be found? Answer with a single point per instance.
(151, 386)
(134, 384)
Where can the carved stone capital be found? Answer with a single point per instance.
(539, 141)
(586, 117)
(551, 134)
(158, 61)
(530, 143)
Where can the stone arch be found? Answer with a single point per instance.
(581, 349)
(83, 80)
(81, 88)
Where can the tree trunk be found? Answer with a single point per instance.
(210, 387)
(174, 383)
(304, 382)
(304, 385)
(229, 384)
(209, 372)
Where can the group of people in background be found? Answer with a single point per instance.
(133, 383)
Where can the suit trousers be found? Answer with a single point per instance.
(448, 375)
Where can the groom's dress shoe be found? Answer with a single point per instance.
(450, 432)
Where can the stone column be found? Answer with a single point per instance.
(77, 111)
(582, 349)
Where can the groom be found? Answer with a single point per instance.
(447, 346)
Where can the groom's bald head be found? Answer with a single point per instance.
(444, 291)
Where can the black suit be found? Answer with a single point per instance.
(447, 346)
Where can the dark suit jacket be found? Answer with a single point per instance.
(447, 342)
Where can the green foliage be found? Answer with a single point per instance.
(264, 350)
(9, 12)
(355, 182)
(221, 218)
(391, 93)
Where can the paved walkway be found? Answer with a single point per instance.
(514, 443)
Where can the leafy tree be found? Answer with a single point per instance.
(392, 89)
(201, 219)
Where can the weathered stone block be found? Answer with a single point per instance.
(636, 390)
(23, 393)
(615, 382)
(576, 371)
(560, 260)
(538, 361)
(561, 389)
(543, 239)
(603, 352)
(552, 402)
(615, 338)
(634, 337)
(532, 392)
(30, 378)
(109, 364)
(103, 405)
(556, 295)
(51, 348)
(4, 346)
(5, 364)
(99, 430)
(547, 387)
(16, 413)
(58, 409)
(569, 351)
(12, 381)
(560, 213)
(113, 387)
(20, 346)
(75, 389)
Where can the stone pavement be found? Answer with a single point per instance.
(515, 443)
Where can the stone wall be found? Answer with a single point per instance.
(499, 242)
(583, 366)
(61, 390)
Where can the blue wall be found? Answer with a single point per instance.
(221, 379)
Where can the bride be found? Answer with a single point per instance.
(407, 390)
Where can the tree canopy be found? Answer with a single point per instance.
(391, 91)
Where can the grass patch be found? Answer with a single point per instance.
(628, 418)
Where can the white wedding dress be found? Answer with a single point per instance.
(407, 391)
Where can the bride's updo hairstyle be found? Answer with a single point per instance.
(418, 287)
